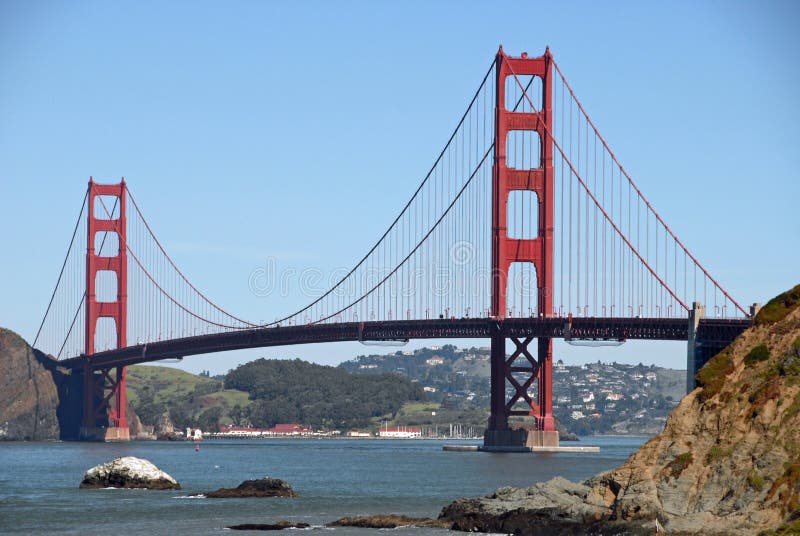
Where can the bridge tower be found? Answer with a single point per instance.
(104, 400)
(537, 250)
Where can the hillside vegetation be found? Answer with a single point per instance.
(298, 391)
(266, 392)
(190, 400)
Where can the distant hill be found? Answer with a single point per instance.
(316, 395)
(443, 370)
(587, 399)
(265, 392)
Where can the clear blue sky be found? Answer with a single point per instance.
(250, 130)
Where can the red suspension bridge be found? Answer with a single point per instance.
(525, 227)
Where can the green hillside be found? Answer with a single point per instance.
(265, 392)
(190, 400)
(165, 383)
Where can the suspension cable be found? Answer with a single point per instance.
(178, 270)
(641, 196)
(63, 266)
(596, 202)
(424, 238)
(158, 286)
(402, 212)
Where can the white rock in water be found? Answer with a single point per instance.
(128, 472)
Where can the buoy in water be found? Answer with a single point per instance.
(197, 448)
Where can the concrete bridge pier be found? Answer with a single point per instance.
(694, 359)
(703, 344)
(104, 404)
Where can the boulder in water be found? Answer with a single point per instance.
(263, 487)
(128, 472)
(280, 525)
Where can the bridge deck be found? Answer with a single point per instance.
(675, 329)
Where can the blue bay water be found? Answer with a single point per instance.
(335, 478)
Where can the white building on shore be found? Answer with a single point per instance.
(400, 432)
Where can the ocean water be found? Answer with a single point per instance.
(335, 478)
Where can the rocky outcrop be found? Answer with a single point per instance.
(135, 425)
(262, 487)
(28, 392)
(564, 434)
(165, 430)
(391, 521)
(557, 507)
(727, 462)
(128, 472)
(280, 525)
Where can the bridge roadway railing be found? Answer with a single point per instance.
(716, 331)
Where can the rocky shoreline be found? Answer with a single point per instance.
(727, 462)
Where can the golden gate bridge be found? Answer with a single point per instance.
(526, 227)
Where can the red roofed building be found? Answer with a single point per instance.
(290, 430)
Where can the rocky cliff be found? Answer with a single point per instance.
(40, 400)
(727, 462)
(28, 392)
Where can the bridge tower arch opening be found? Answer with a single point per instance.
(104, 395)
(523, 162)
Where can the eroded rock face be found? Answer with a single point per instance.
(727, 462)
(28, 393)
(128, 472)
(263, 487)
